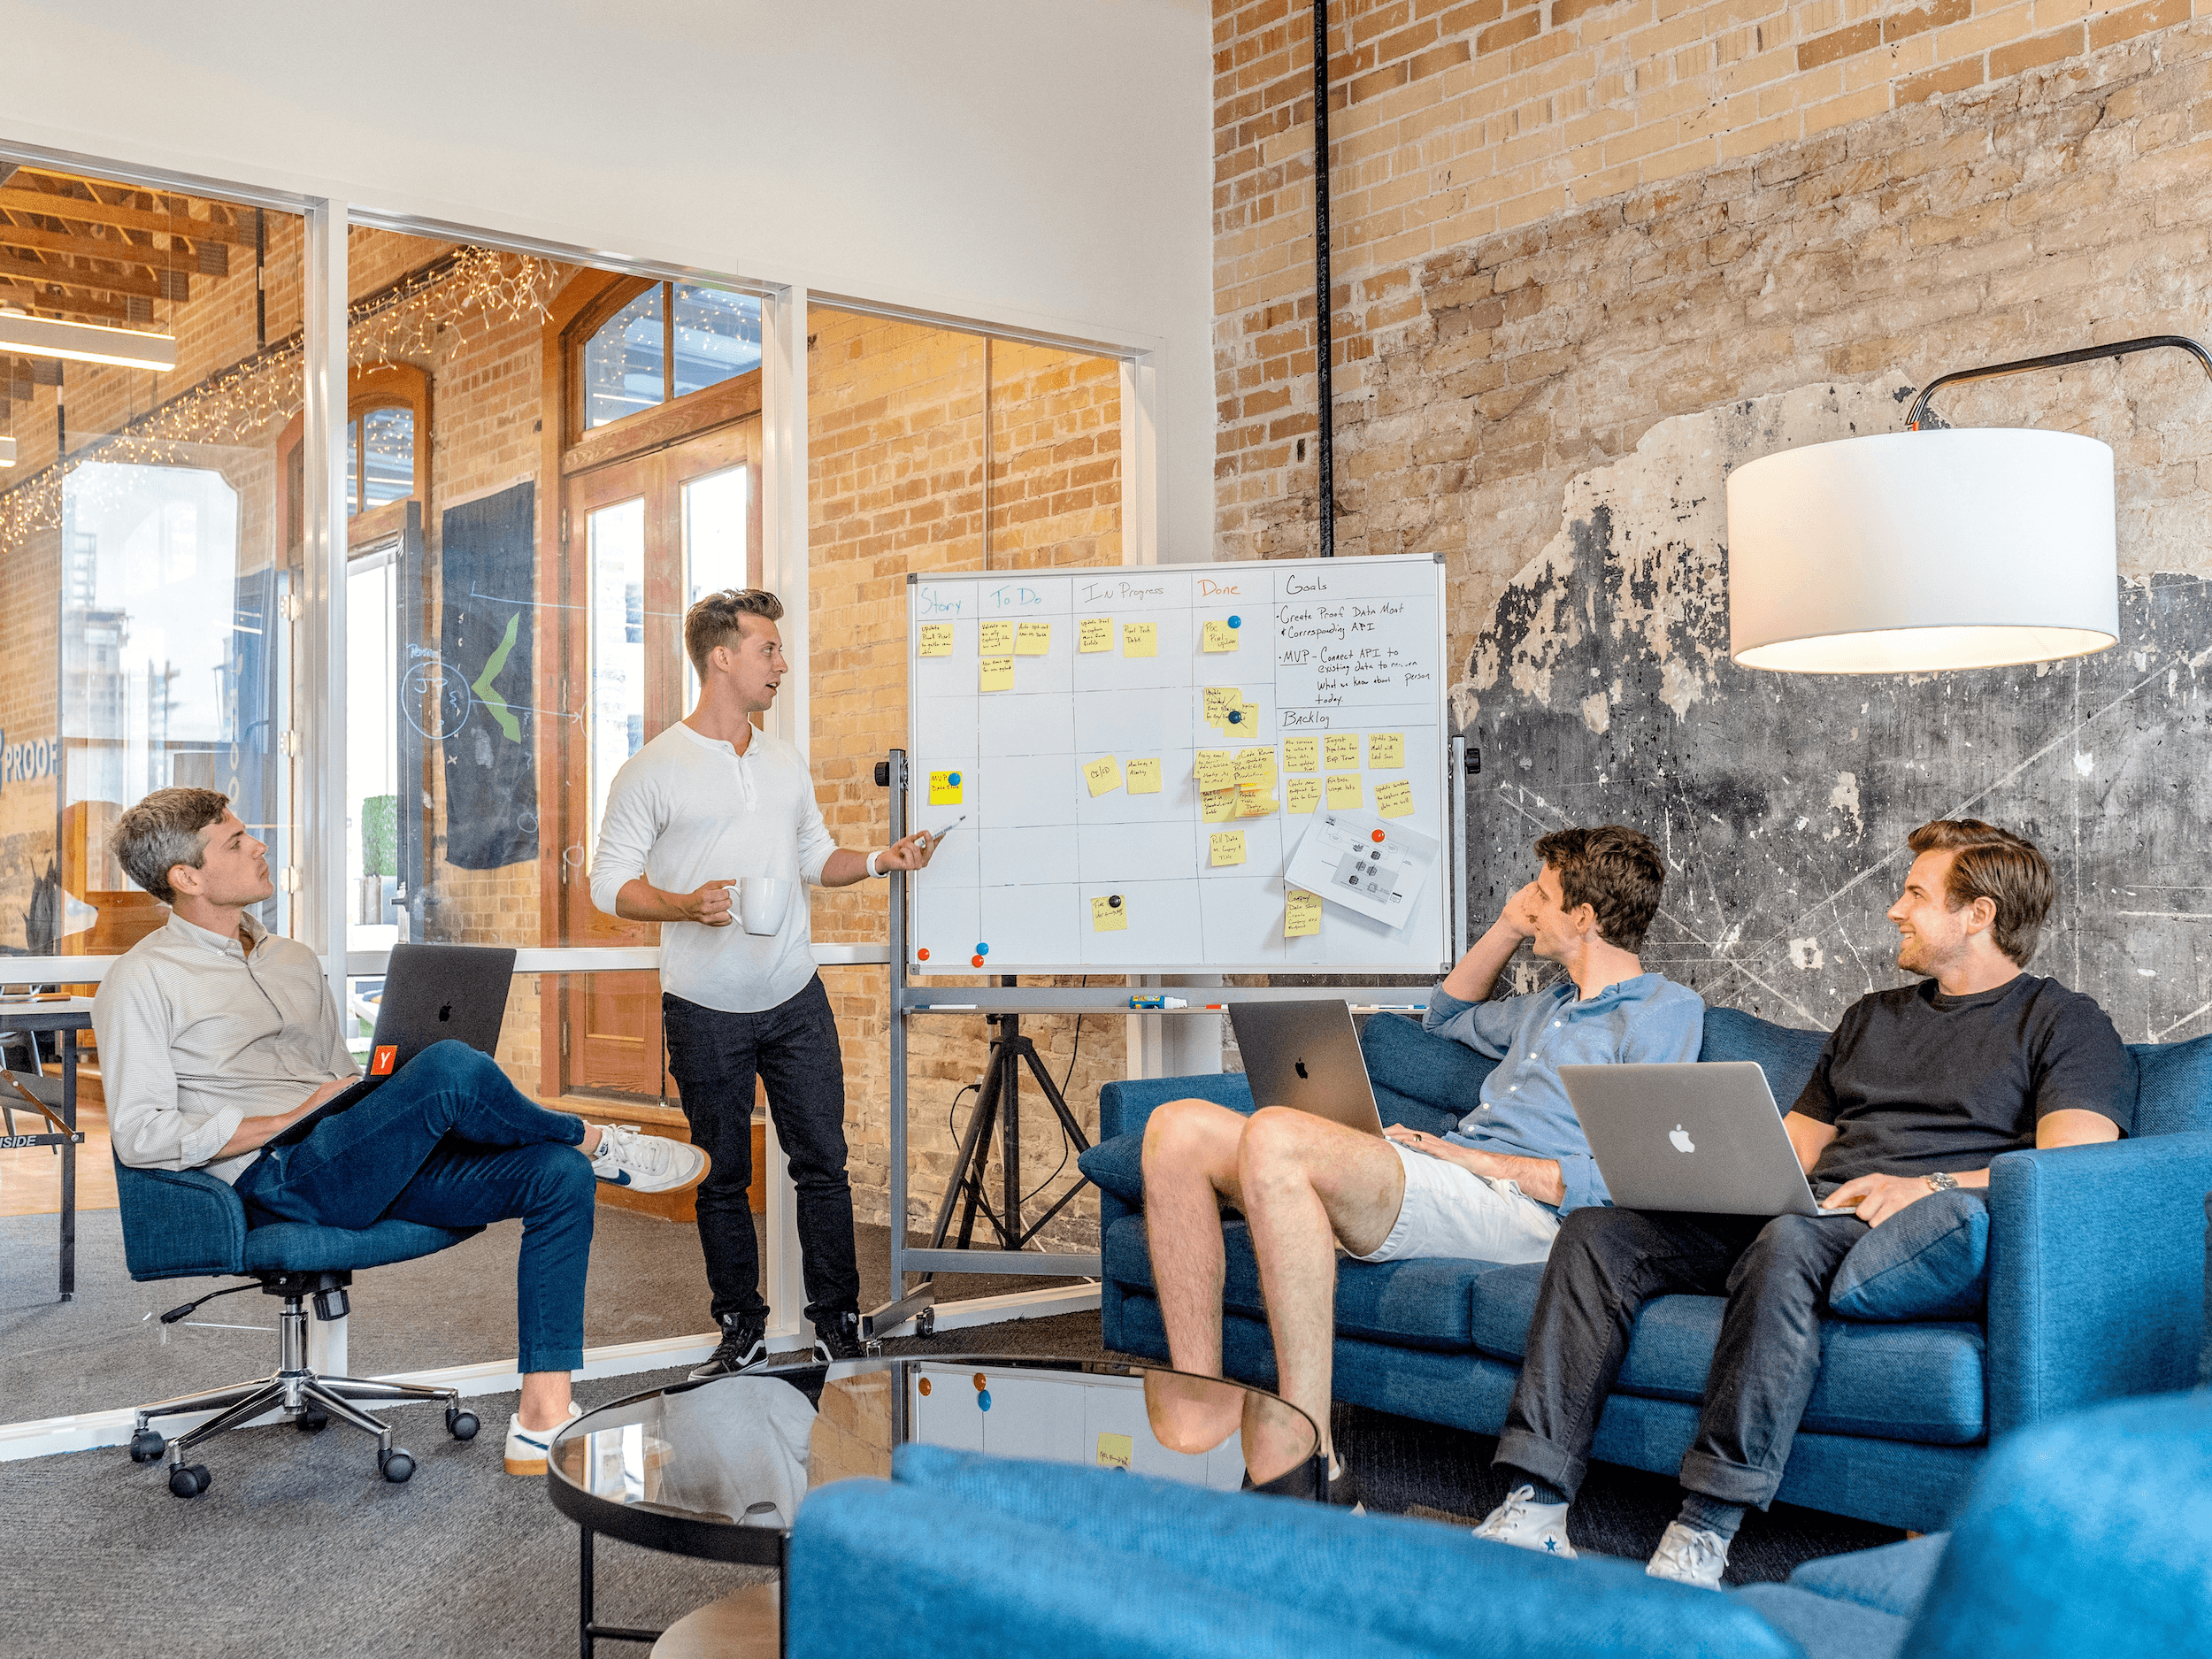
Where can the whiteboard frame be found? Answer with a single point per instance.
(1441, 901)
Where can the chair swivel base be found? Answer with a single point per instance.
(310, 1400)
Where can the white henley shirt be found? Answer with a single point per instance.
(685, 809)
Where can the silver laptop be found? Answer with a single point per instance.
(1306, 1055)
(1705, 1137)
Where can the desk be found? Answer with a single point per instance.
(67, 1016)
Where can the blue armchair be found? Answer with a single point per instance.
(2089, 1535)
(2094, 1255)
(188, 1224)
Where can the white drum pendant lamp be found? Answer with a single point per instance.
(1911, 552)
(1925, 550)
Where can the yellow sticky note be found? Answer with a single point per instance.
(1103, 774)
(936, 640)
(1254, 804)
(1215, 771)
(1144, 776)
(1340, 752)
(1109, 914)
(944, 789)
(1116, 1451)
(1228, 848)
(1217, 806)
(1386, 748)
(1139, 638)
(1393, 800)
(995, 638)
(1255, 768)
(1344, 791)
(998, 672)
(1219, 701)
(1220, 637)
(1302, 794)
(1095, 634)
(1033, 638)
(1301, 754)
(1302, 913)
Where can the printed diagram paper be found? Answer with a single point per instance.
(1340, 858)
(936, 640)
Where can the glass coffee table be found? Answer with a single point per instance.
(717, 1469)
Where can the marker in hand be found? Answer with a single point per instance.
(937, 835)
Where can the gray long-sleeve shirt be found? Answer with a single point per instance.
(1524, 1110)
(197, 1036)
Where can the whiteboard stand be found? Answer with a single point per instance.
(919, 1306)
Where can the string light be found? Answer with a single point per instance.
(470, 293)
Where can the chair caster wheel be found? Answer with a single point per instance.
(188, 1480)
(311, 1422)
(147, 1446)
(926, 1323)
(461, 1424)
(396, 1465)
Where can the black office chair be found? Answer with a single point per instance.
(187, 1224)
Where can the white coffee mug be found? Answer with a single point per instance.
(761, 901)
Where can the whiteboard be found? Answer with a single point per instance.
(1033, 878)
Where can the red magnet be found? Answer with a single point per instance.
(923, 954)
(975, 961)
(1379, 834)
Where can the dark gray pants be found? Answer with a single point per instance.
(1605, 1265)
(714, 1057)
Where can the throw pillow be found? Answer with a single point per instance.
(1438, 1072)
(1117, 1166)
(1930, 1261)
(2173, 1087)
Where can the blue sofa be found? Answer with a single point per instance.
(2090, 1536)
(2094, 1292)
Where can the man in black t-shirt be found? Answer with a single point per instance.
(1917, 1089)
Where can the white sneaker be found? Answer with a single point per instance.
(646, 1163)
(1689, 1555)
(527, 1448)
(1526, 1525)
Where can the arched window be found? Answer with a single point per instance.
(667, 340)
(380, 458)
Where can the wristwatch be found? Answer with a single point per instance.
(1942, 1183)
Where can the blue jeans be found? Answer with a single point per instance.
(449, 1142)
(714, 1057)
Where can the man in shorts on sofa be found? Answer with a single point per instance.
(1917, 1089)
(1495, 1189)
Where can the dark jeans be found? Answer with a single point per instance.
(1605, 1264)
(449, 1142)
(714, 1057)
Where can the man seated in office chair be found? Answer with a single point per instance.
(1917, 1090)
(216, 1035)
(1495, 1189)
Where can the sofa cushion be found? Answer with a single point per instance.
(1889, 1579)
(1785, 1053)
(2173, 1086)
(1419, 1304)
(1438, 1073)
(1897, 1382)
(299, 1247)
(1117, 1166)
(1930, 1261)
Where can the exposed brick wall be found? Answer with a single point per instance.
(895, 445)
(1558, 221)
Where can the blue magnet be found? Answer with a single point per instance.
(1236, 716)
(954, 779)
(1236, 622)
(982, 950)
(983, 1398)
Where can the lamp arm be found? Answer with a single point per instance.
(2054, 360)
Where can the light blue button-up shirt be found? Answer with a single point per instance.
(1524, 1110)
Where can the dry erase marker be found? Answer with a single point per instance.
(939, 834)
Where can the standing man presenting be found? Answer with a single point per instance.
(709, 803)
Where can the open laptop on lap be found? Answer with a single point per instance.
(1306, 1055)
(431, 993)
(1702, 1137)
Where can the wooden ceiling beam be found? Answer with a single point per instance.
(161, 286)
(39, 300)
(85, 247)
(80, 210)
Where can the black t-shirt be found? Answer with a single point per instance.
(1916, 1081)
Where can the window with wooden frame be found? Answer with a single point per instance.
(388, 457)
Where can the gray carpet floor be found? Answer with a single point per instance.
(456, 1307)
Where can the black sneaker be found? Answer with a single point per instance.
(1297, 1482)
(838, 1337)
(744, 1345)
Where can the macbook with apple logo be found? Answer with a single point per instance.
(1705, 1137)
(432, 993)
(1305, 1055)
